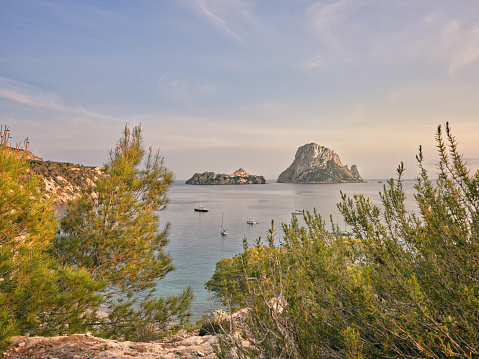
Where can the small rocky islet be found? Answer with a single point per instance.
(239, 176)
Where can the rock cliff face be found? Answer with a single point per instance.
(64, 181)
(238, 177)
(318, 164)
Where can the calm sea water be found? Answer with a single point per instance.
(195, 242)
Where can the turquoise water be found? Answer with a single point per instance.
(195, 242)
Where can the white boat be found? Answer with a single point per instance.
(224, 232)
(201, 209)
(297, 212)
(251, 221)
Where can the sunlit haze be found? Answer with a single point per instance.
(219, 85)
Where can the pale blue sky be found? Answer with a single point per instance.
(219, 85)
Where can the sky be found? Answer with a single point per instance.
(223, 84)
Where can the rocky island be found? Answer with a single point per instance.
(238, 177)
(318, 164)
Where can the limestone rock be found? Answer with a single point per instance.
(61, 180)
(240, 176)
(86, 346)
(64, 181)
(75, 346)
(318, 164)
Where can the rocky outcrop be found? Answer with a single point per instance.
(238, 177)
(27, 154)
(64, 181)
(318, 164)
(79, 346)
(182, 345)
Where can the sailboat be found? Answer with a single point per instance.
(224, 232)
(297, 211)
(251, 221)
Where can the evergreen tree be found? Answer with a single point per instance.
(113, 231)
(37, 296)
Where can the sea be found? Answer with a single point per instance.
(195, 240)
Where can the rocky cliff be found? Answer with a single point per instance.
(318, 164)
(64, 181)
(61, 180)
(238, 177)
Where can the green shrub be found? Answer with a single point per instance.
(406, 285)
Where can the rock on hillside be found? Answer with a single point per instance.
(182, 345)
(28, 155)
(318, 164)
(238, 177)
(62, 180)
(79, 346)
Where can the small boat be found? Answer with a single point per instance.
(224, 232)
(298, 212)
(201, 209)
(251, 221)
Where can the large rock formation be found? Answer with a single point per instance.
(318, 164)
(238, 177)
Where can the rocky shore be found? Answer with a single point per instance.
(80, 346)
(182, 345)
(238, 177)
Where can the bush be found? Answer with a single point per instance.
(405, 286)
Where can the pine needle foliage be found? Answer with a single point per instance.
(37, 295)
(113, 231)
(405, 286)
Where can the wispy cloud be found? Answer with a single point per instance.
(228, 17)
(215, 19)
(330, 23)
(464, 43)
(29, 95)
(33, 96)
(314, 63)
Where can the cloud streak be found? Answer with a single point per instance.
(33, 96)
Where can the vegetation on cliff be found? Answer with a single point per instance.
(64, 181)
(406, 285)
